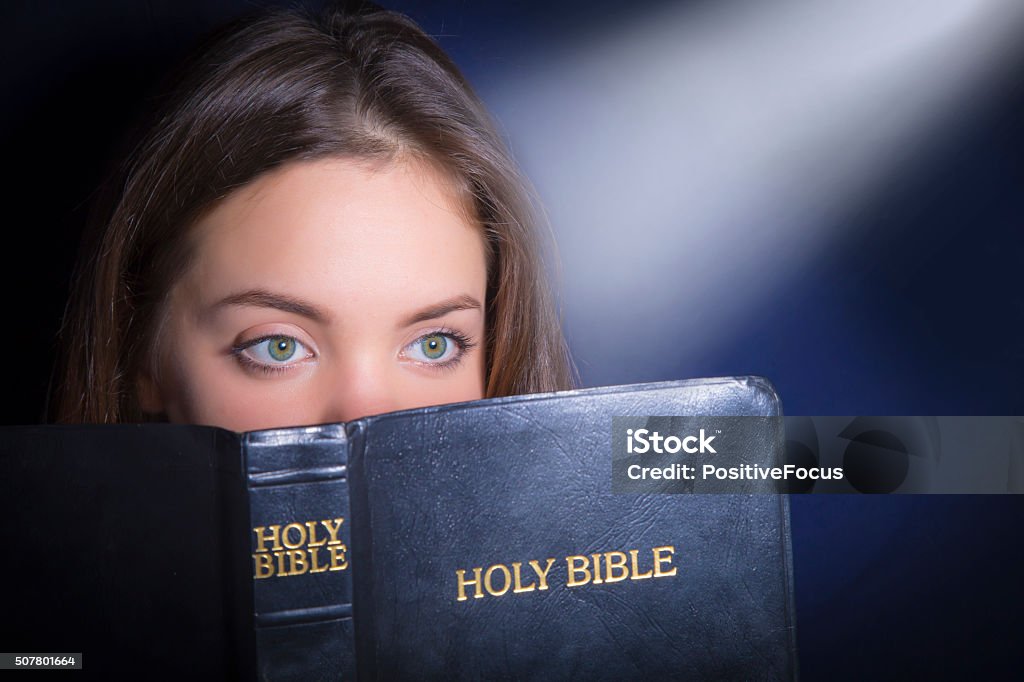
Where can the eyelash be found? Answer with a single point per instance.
(463, 342)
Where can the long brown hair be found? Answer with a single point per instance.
(291, 85)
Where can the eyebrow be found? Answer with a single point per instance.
(463, 302)
(261, 298)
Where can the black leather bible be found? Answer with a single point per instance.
(478, 540)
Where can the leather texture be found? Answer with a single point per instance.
(529, 478)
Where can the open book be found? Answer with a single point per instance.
(477, 540)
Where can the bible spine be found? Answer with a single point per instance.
(300, 537)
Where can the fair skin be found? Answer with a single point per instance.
(321, 292)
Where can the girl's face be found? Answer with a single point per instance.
(321, 292)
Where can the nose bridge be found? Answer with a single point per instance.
(357, 385)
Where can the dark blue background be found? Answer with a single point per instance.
(918, 310)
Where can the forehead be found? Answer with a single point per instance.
(352, 236)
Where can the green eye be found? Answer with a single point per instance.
(273, 353)
(439, 349)
(281, 348)
(434, 346)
